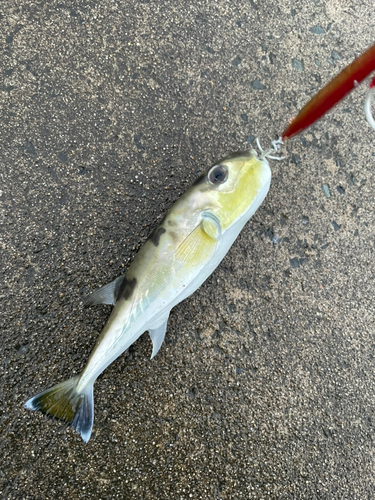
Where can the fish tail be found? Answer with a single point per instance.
(64, 402)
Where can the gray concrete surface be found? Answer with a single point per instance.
(265, 386)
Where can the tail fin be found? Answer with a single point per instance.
(62, 401)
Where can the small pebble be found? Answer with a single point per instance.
(317, 30)
(325, 190)
(257, 85)
(296, 64)
(236, 61)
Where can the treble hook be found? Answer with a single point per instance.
(368, 103)
(276, 146)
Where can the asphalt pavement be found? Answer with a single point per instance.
(265, 385)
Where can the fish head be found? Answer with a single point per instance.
(234, 188)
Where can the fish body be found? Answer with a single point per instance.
(186, 247)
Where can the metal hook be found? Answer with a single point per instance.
(276, 146)
(368, 112)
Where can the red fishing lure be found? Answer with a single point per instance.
(349, 78)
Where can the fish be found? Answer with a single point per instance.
(179, 255)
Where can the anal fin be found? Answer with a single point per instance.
(157, 335)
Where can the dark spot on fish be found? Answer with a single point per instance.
(173, 235)
(124, 288)
(156, 234)
(172, 223)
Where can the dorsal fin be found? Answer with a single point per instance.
(104, 295)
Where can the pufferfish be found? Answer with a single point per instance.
(180, 254)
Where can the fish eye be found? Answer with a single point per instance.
(218, 174)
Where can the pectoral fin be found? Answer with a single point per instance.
(157, 336)
(104, 295)
(199, 245)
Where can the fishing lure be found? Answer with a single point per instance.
(349, 79)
